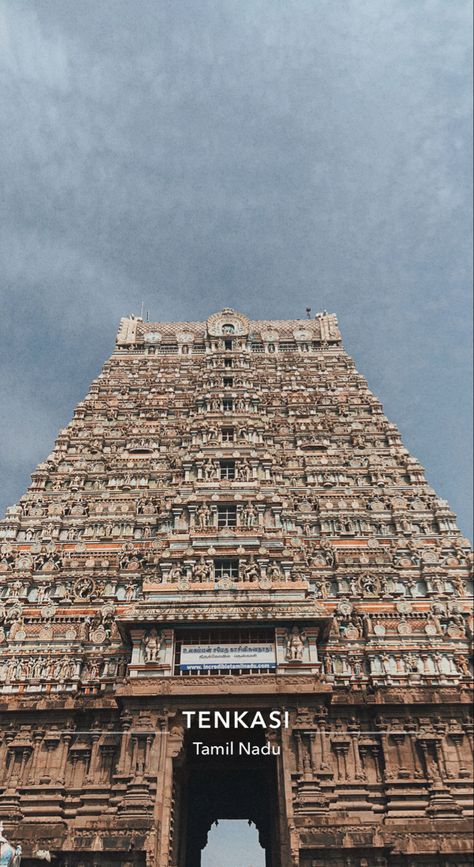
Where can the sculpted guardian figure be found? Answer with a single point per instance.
(152, 645)
(295, 642)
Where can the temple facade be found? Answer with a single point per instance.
(230, 523)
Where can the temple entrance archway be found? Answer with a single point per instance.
(222, 786)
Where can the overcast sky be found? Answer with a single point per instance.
(266, 155)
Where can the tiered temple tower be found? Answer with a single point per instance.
(231, 491)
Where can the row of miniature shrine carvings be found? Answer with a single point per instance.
(157, 475)
(260, 398)
(122, 530)
(147, 456)
(443, 619)
(207, 518)
(49, 668)
(159, 408)
(60, 669)
(436, 562)
(128, 438)
(209, 392)
(83, 588)
(319, 416)
(360, 521)
(182, 575)
(304, 506)
(349, 624)
(294, 439)
(261, 572)
(212, 387)
(227, 431)
(447, 553)
(246, 518)
(208, 382)
(321, 370)
(385, 665)
(98, 627)
(246, 409)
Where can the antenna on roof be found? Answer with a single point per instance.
(148, 316)
(141, 310)
(308, 313)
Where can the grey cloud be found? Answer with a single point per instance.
(263, 154)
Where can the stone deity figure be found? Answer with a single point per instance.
(434, 617)
(129, 592)
(17, 588)
(462, 665)
(274, 572)
(251, 571)
(437, 584)
(456, 619)
(295, 642)
(202, 571)
(328, 552)
(152, 646)
(249, 516)
(211, 470)
(17, 624)
(411, 663)
(203, 517)
(324, 588)
(458, 585)
(175, 574)
(245, 471)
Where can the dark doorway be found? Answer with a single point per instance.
(226, 786)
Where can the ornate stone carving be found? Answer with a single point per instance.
(152, 643)
(295, 644)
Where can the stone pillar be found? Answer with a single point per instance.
(123, 761)
(37, 740)
(95, 737)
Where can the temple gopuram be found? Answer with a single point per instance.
(230, 523)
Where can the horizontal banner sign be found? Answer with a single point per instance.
(206, 656)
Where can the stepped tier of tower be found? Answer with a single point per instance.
(234, 475)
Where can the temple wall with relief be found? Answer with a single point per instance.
(345, 763)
